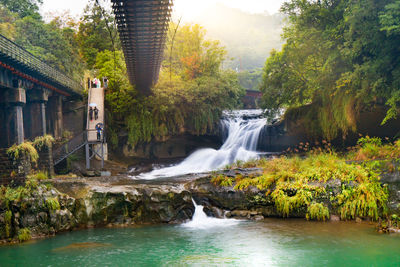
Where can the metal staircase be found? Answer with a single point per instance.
(75, 144)
(69, 148)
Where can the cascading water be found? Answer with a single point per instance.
(243, 128)
(200, 220)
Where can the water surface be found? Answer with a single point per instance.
(273, 242)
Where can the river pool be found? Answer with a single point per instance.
(273, 242)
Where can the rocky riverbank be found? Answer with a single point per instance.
(65, 204)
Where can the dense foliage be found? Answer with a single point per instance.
(307, 185)
(340, 56)
(192, 90)
(191, 93)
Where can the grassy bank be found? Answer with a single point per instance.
(320, 182)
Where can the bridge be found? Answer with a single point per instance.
(142, 27)
(31, 95)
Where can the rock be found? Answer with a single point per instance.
(358, 220)
(334, 218)
(257, 218)
(28, 220)
(42, 217)
(393, 230)
(105, 174)
(89, 173)
(240, 213)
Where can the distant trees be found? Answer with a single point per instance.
(53, 42)
(340, 56)
(250, 79)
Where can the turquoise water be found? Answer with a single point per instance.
(270, 243)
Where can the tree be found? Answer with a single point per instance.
(23, 8)
(340, 56)
(189, 97)
(97, 32)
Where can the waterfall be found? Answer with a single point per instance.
(200, 220)
(243, 129)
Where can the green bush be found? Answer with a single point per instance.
(7, 221)
(16, 152)
(296, 184)
(24, 234)
(52, 204)
(317, 211)
(45, 141)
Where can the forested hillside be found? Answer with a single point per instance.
(340, 57)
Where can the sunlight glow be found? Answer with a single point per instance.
(190, 9)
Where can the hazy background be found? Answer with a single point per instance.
(249, 29)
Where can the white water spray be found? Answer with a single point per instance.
(200, 220)
(243, 128)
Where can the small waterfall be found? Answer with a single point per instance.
(243, 129)
(200, 220)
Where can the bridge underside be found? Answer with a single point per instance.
(142, 26)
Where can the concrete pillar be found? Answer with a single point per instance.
(16, 99)
(58, 124)
(18, 118)
(43, 109)
(36, 113)
(55, 118)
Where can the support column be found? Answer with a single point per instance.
(16, 99)
(36, 113)
(55, 116)
(44, 128)
(58, 124)
(18, 118)
(87, 150)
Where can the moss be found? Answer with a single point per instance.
(41, 176)
(317, 211)
(365, 200)
(7, 220)
(52, 204)
(42, 142)
(297, 184)
(16, 152)
(24, 234)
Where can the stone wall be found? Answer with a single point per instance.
(45, 162)
(74, 116)
(9, 173)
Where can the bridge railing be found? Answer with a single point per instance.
(75, 144)
(14, 52)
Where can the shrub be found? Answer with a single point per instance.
(24, 234)
(45, 141)
(295, 184)
(16, 152)
(317, 211)
(7, 221)
(41, 176)
(52, 204)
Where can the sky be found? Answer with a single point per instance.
(186, 8)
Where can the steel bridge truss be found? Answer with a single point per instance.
(142, 27)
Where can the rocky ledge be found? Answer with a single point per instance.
(120, 201)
